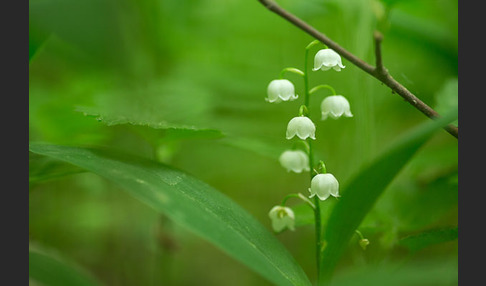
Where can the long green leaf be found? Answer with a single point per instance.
(192, 204)
(52, 270)
(362, 191)
(43, 169)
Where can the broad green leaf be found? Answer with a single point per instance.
(192, 204)
(170, 131)
(156, 132)
(43, 169)
(53, 270)
(422, 240)
(361, 192)
(160, 104)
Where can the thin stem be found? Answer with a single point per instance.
(292, 70)
(316, 88)
(299, 196)
(305, 199)
(313, 43)
(303, 110)
(317, 217)
(359, 234)
(317, 209)
(303, 144)
(306, 80)
(379, 73)
(322, 167)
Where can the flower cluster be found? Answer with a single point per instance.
(323, 184)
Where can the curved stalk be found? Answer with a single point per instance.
(317, 209)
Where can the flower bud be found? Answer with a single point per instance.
(364, 242)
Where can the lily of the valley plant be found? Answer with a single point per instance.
(301, 127)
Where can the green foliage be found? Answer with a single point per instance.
(192, 204)
(54, 270)
(361, 192)
(184, 82)
(42, 169)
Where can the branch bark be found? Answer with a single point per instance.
(379, 72)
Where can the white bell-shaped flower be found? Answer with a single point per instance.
(279, 90)
(335, 106)
(323, 186)
(301, 126)
(282, 217)
(326, 59)
(294, 160)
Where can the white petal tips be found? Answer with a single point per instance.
(279, 90)
(335, 106)
(301, 126)
(326, 59)
(323, 186)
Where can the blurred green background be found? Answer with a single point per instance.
(129, 74)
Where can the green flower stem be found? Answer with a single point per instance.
(359, 234)
(300, 196)
(303, 144)
(317, 214)
(292, 70)
(322, 167)
(313, 43)
(303, 110)
(306, 79)
(316, 88)
(317, 209)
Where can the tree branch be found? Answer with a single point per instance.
(379, 62)
(379, 72)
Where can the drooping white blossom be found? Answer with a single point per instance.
(326, 59)
(279, 90)
(323, 186)
(294, 160)
(282, 217)
(335, 106)
(301, 126)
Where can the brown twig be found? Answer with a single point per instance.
(379, 62)
(379, 72)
